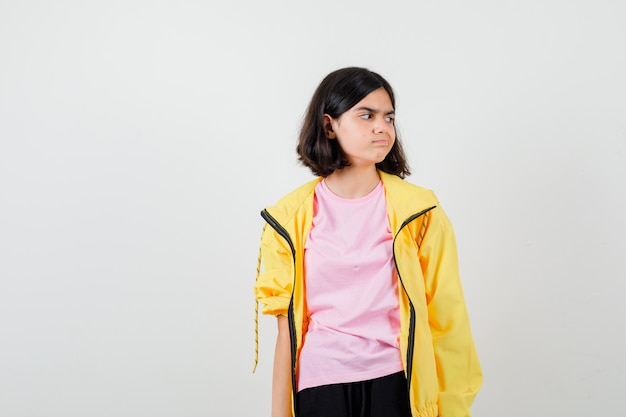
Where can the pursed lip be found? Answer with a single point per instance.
(383, 142)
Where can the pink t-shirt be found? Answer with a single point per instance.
(351, 292)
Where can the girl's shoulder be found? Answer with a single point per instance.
(406, 193)
(288, 205)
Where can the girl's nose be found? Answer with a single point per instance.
(382, 125)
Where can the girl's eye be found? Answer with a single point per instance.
(366, 116)
(389, 119)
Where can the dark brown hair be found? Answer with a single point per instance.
(338, 92)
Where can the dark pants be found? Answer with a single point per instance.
(381, 397)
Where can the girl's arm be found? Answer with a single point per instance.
(458, 367)
(281, 381)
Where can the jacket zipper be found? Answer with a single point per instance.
(290, 312)
(411, 342)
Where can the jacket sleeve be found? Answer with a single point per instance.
(458, 368)
(274, 282)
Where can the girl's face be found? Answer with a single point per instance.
(366, 132)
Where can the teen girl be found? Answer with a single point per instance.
(360, 268)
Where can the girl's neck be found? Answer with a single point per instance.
(352, 182)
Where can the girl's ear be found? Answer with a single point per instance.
(328, 127)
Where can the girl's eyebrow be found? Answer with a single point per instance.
(369, 109)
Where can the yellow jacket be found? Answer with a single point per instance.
(440, 360)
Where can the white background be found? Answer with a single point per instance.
(140, 139)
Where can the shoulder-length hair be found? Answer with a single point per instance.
(338, 92)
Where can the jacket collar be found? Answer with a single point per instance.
(403, 198)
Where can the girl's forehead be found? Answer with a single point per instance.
(378, 99)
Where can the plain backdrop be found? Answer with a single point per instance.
(139, 141)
